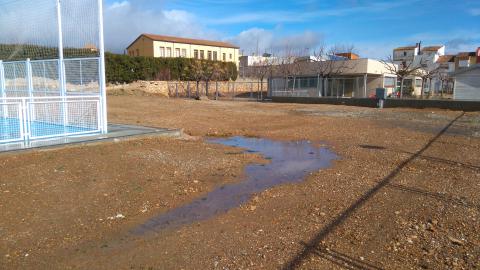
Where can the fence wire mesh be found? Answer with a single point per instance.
(51, 53)
(10, 122)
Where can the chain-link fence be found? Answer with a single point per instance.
(52, 64)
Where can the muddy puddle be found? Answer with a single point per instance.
(289, 162)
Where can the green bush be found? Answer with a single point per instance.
(20, 52)
(126, 69)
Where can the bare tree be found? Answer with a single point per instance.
(209, 71)
(328, 63)
(402, 70)
(218, 73)
(427, 73)
(263, 69)
(446, 81)
(288, 65)
(195, 71)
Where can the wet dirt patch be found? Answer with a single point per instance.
(288, 162)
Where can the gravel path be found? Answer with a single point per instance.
(405, 193)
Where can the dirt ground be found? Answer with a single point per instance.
(405, 193)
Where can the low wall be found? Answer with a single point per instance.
(182, 89)
(456, 105)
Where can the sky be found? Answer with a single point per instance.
(372, 27)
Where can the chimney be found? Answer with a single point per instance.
(419, 46)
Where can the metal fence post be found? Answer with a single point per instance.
(216, 90)
(102, 81)
(81, 73)
(28, 67)
(61, 68)
(251, 90)
(233, 89)
(25, 120)
(228, 87)
(176, 89)
(2, 89)
(188, 89)
(2, 80)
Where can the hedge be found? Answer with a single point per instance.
(126, 69)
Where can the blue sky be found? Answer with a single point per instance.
(374, 28)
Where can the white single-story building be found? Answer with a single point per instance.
(467, 84)
(357, 78)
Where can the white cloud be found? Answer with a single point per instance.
(474, 11)
(119, 4)
(270, 41)
(124, 22)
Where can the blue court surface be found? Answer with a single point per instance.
(10, 129)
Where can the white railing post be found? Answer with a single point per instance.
(102, 80)
(61, 65)
(28, 66)
(3, 90)
(25, 120)
(2, 80)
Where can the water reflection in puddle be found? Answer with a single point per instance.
(289, 162)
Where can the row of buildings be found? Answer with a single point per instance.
(457, 73)
(349, 74)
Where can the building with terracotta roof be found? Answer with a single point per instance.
(431, 54)
(168, 46)
(466, 59)
(406, 54)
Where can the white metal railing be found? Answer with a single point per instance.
(41, 77)
(11, 122)
(24, 119)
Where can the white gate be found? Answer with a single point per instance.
(25, 119)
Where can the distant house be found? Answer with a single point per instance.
(446, 63)
(466, 59)
(467, 83)
(406, 55)
(416, 56)
(431, 54)
(167, 46)
(349, 55)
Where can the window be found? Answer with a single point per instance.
(169, 52)
(463, 63)
(224, 57)
(215, 56)
(209, 53)
(195, 54)
(162, 51)
(202, 54)
(177, 52)
(231, 57)
(418, 83)
(184, 52)
(404, 53)
(389, 82)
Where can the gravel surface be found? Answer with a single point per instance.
(405, 193)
